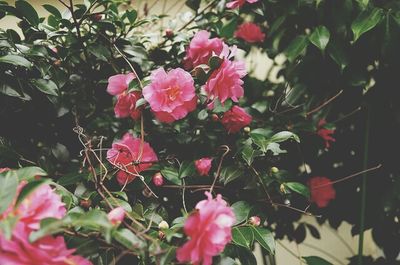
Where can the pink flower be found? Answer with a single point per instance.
(201, 48)
(203, 165)
(239, 3)
(255, 220)
(126, 152)
(171, 95)
(45, 251)
(126, 105)
(158, 179)
(225, 82)
(116, 215)
(325, 134)
(250, 32)
(209, 229)
(322, 191)
(119, 83)
(235, 119)
(4, 169)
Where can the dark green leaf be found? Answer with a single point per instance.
(193, 4)
(128, 239)
(228, 28)
(8, 189)
(131, 15)
(53, 10)
(314, 260)
(337, 53)
(171, 174)
(283, 136)
(48, 226)
(296, 47)
(248, 154)
(366, 21)
(299, 188)
(320, 37)
(265, 238)
(243, 236)
(214, 62)
(186, 169)
(28, 173)
(169, 256)
(230, 173)
(15, 60)
(46, 86)
(27, 11)
(241, 209)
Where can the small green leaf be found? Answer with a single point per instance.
(228, 28)
(314, 260)
(229, 174)
(283, 136)
(320, 37)
(140, 102)
(48, 226)
(30, 188)
(53, 10)
(169, 256)
(214, 62)
(171, 174)
(241, 209)
(186, 169)
(243, 236)
(45, 86)
(248, 154)
(296, 47)
(338, 54)
(128, 239)
(8, 189)
(15, 60)
(27, 11)
(299, 188)
(366, 21)
(131, 15)
(28, 173)
(265, 238)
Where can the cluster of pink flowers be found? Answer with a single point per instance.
(209, 229)
(322, 191)
(125, 105)
(49, 250)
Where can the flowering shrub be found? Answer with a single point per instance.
(164, 149)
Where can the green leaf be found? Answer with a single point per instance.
(131, 15)
(296, 47)
(265, 238)
(363, 3)
(46, 86)
(202, 115)
(338, 54)
(171, 174)
(100, 52)
(140, 102)
(228, 28)
(128, 239)
(214, 62)
(314, 260)
(299, 188)
(366, 21)
(7, 226)
(320, 37)
(52, 10)
(243, 236)
(241, 209)
(8, 189)
(29, 188)
(186, 169)
(27, 11)
(15, 60)
(168, 257)
(248, 154)
(229, 174)
(283, 136)
(48, 226)
(193, 4)
(275, 148)
(28, 173)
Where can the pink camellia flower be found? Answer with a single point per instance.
(4, 169)
(116, 215)
(325, 134)
(203, 165)
(45, 251)
(119, 83)
(235, 119)
(126, 152)
(225, 81)
(239, 3)
(126, 105)
(171, 95)
(209, 229)
(201, 48)
(158, 179)
(322, 191)
(250, 32)
(255, 220)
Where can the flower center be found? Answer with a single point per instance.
(173, 92)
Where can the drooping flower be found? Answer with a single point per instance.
(126, 105)
(235, 119)
(209, 229)
(48, 250)
(171, 95)
(239, 3)
(225, 81)
(203, 165)
(119, 83)
(126, 152)
(116, 215)
(325, 134)
(322, 191)
(201, 48)
(250, 32)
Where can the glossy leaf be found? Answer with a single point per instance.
(366, 21)
(320, 37)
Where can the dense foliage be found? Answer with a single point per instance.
(340, 68)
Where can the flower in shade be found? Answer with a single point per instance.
(201, 48)
(322, 191)
(325, 134)
(116, 215)
(119, 83)
(126, 105)
(48, 250)
(235, 119)
(250, 32)
(239, 3)
(203, 165)
(209, 229)
(225, 81)
(171, 95)
(131, 157)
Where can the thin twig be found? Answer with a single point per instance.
(324, 103)
(227, 149)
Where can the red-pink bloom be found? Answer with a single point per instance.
(119, 83)
(4, 169)
(225, 81)
(126, 152)
(116, 215)
(45, 251)
(201, 48)
(322, 191)
(235, 119)
(250, 32)
(158, 179)
(171, 95)
(209, 229)
(325, 134)
(239, 3)
(203, 165)
(126, 105)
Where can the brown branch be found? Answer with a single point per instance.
(324, 103)
(227, 149)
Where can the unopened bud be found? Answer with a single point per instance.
(274, 170)
(255, 220)
(163, 225)
(116, 215)
(158, 179)
(161, 235)
(246, 129)
(282, 188)
(85, 203)
(270, 93)
(169, 33)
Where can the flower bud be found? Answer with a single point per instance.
(274, 170)
(255, 220)
(163, 225)
(246, 129)
(158, 179)
(57, 62)
(116, 215)
(86, 203)
(169, 33)
(282, 188)
(161, 235)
